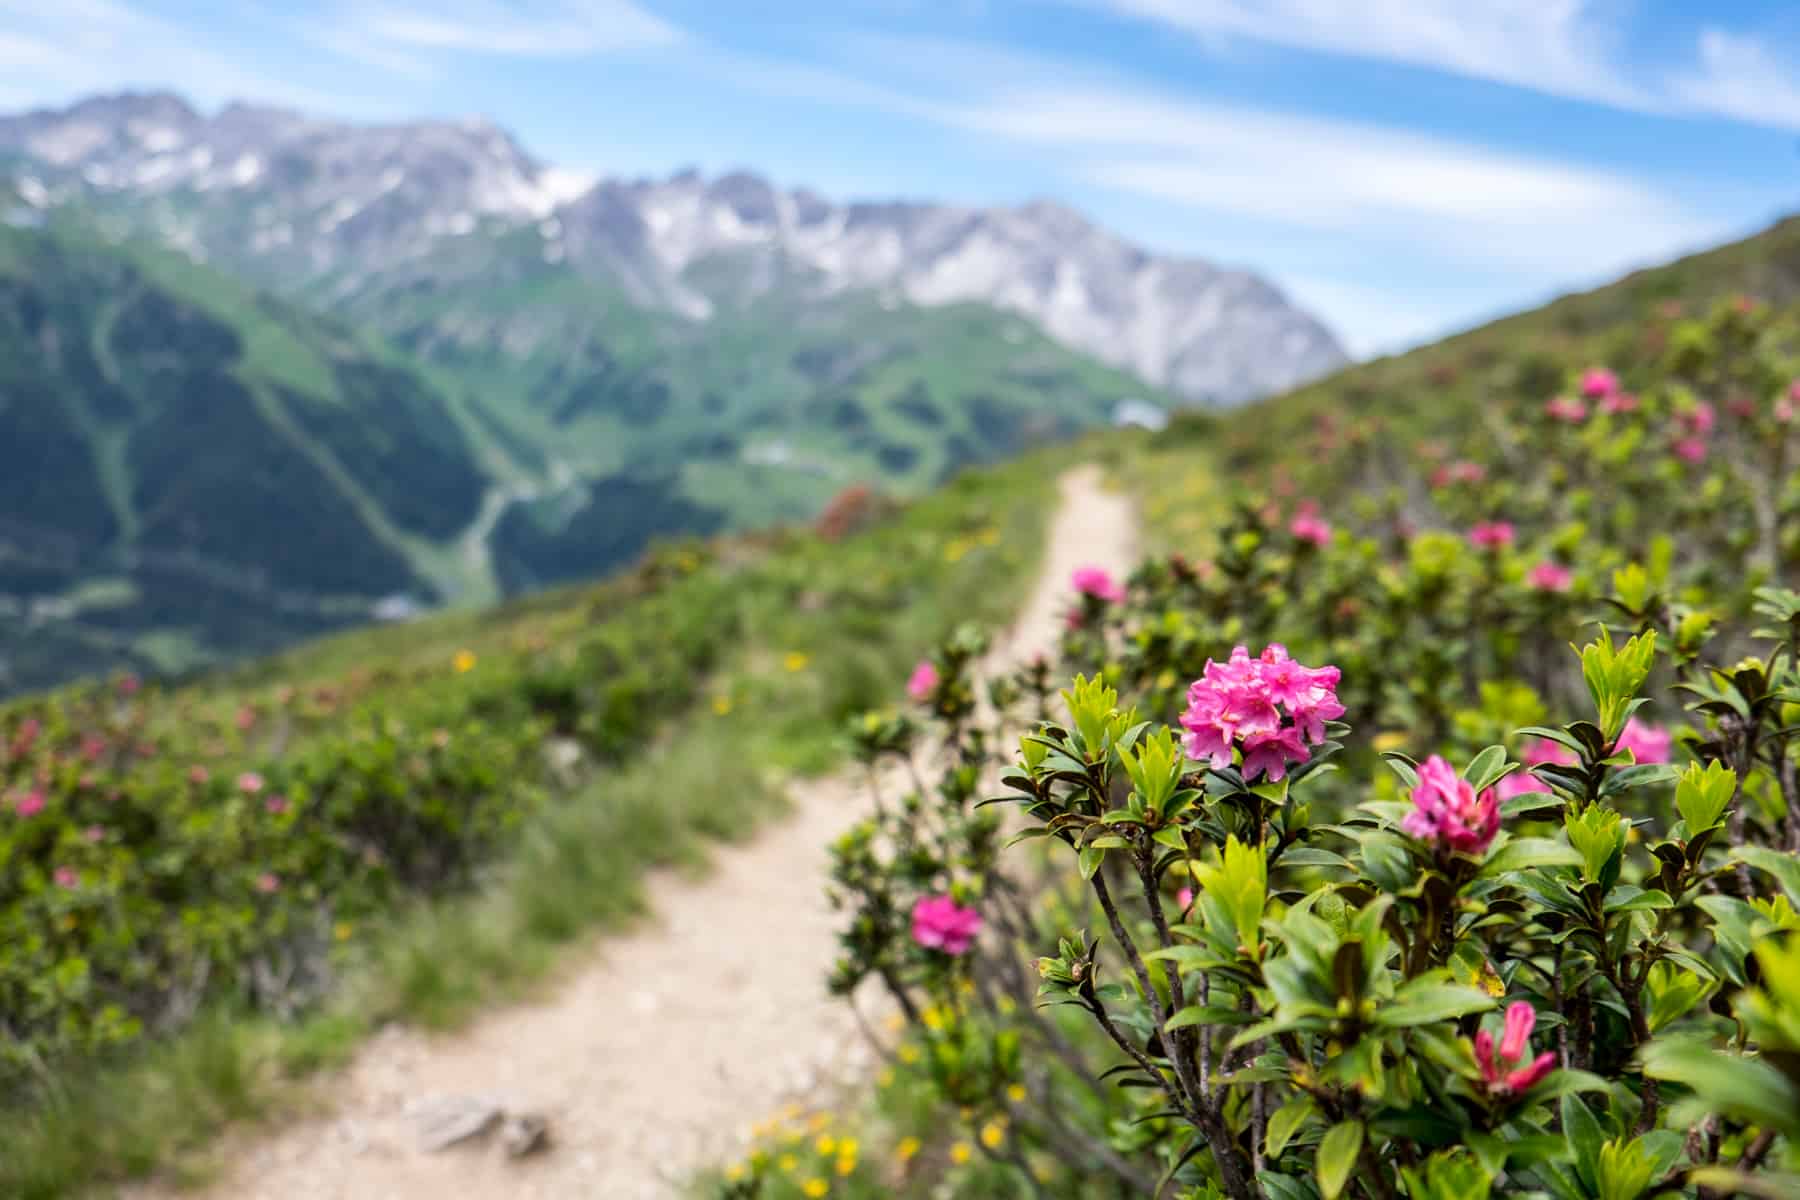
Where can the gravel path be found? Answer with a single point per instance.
(655, 1056)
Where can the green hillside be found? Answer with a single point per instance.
(193, 468)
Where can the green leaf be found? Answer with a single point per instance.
(1286, 1122)
(1702, 795)
(1585, 1136)
(1487, 768)
(1426, 999)
(1337, 1157)
(1526, 853)
(1783, 866)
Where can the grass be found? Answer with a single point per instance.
(714, 773)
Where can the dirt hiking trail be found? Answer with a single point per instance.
(653, 1057)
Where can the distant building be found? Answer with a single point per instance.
(1142, 414)
(398, 607)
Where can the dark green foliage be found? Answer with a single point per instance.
(623, 514)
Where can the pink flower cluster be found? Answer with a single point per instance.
(940, 923)
(1597, 383)
(1692, 428)
(29, 805)
(1306, 527)
(1447, 812)
(924, 681)
(1501, 1067)
(1566, 409)
(1550, 576)
(1462, 471)
(1648, 743)
(1096, 582)
(1491, 535)
(1270, 707)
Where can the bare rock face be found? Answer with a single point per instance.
(299, 201)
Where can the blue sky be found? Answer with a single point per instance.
(1404, 167)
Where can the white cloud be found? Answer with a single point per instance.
(1460, 202)
(534, 29)
(1740, 77)
(1554, 46)
(77, 47)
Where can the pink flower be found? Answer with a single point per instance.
(1185, 898)
(1519, 783)
(94, 833)
(66, 877)
(1095, 582)
(1269, 754)
(198, 775)
(924, 681)
(1270, 707)
(1648, 743)
(30, 804)
(1492, 535)
(1619, 402)
(1701, 420)
(129, 685)
(276, 804)
(940, 923)
(1310, 529)
(1500, 1067)
(246, 717)
(1447, 811)
(1550, 576)
(268, 883)
(1785, 408)
(250, 783)
(1690, 449)
(1597, 382)
(1567, 409)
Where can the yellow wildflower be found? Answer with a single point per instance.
(722, 705)
(907, 1147)
(992, 1134)
(464, 661)
(734, 1172)
(787, 1162)
(815, 1188)
(1016, 1093)
(886, 1078)
(908, 1053)
(825, 1145)
(846, 1164)
(342, 931)
(795, 662)
(960, 1153)
(933, 1017)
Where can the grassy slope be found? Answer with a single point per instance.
(1438, 390)
(829, 629)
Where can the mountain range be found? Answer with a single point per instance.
(265, 373)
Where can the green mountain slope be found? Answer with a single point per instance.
(195, 469)
(192, 468)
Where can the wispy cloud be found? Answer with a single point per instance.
(1741, 77)
(1565, 48)
(1556, 46)
(534, 29)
